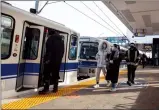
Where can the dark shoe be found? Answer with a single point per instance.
(44, 91)
(132, 82)
(55, 90)
(129, 83)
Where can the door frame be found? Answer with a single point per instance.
(21, 53)
(66, 55)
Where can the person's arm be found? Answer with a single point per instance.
(97, 56)
(107, 57)
(112, 56)
(138, 58)
(126, 56)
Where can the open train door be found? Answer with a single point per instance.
(63, 64)
(30, 56)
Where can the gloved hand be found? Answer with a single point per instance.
(111, 61)
(46, 62)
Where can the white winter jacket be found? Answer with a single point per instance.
(101, 56)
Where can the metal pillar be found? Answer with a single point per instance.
(36, 5)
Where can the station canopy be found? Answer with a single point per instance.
(140, 16)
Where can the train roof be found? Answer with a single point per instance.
(93, 39)
(6, 7)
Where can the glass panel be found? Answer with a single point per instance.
(73, 48)
(6, 21)
(89, 50)
(6, 36)
(31, 42)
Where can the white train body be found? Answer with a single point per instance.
(24, 70)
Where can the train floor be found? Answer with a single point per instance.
(143, 95)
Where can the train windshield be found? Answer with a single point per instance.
(89, 50)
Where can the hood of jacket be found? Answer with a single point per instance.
(100, 46)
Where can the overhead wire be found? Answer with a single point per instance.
(99, 17)
(89, 17)
(47, 3)
(108, 18)
(43, 6)
(54, 2)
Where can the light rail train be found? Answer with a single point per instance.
(23, 37)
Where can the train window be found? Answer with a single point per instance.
(89, 50)
(6, 35)
(73, 47)
(31, 43)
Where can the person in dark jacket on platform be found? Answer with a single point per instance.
(114, 64)
(52, 61)
(144, 60)
(132, 58)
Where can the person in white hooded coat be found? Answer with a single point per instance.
(101, 57)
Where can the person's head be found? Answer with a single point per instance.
(52, 32)
(104, 45)
(73, 41)
(132, 45)
(115, 45)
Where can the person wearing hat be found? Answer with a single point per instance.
(132, 58)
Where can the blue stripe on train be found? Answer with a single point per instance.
(11, 69)
(87, 64)
(92, 64)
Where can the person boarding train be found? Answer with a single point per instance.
(52, 61)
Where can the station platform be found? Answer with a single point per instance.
(143, 95)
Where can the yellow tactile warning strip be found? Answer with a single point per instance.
(32, 101)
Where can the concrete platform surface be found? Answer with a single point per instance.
(143, 95)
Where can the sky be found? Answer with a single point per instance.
(62, 13)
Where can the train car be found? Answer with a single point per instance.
(24, 35)
(87, 62)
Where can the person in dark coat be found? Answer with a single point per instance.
(144, 60)
(132, 58)
(52, 61)
(108, 68)
(114, 66)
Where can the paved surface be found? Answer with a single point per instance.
(143, 95)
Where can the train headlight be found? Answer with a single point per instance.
(93, 71)
(90, 71)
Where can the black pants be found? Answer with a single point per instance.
(51, 76)
(109, 72)
(113, 73)
(131, 72)
(143, 64)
